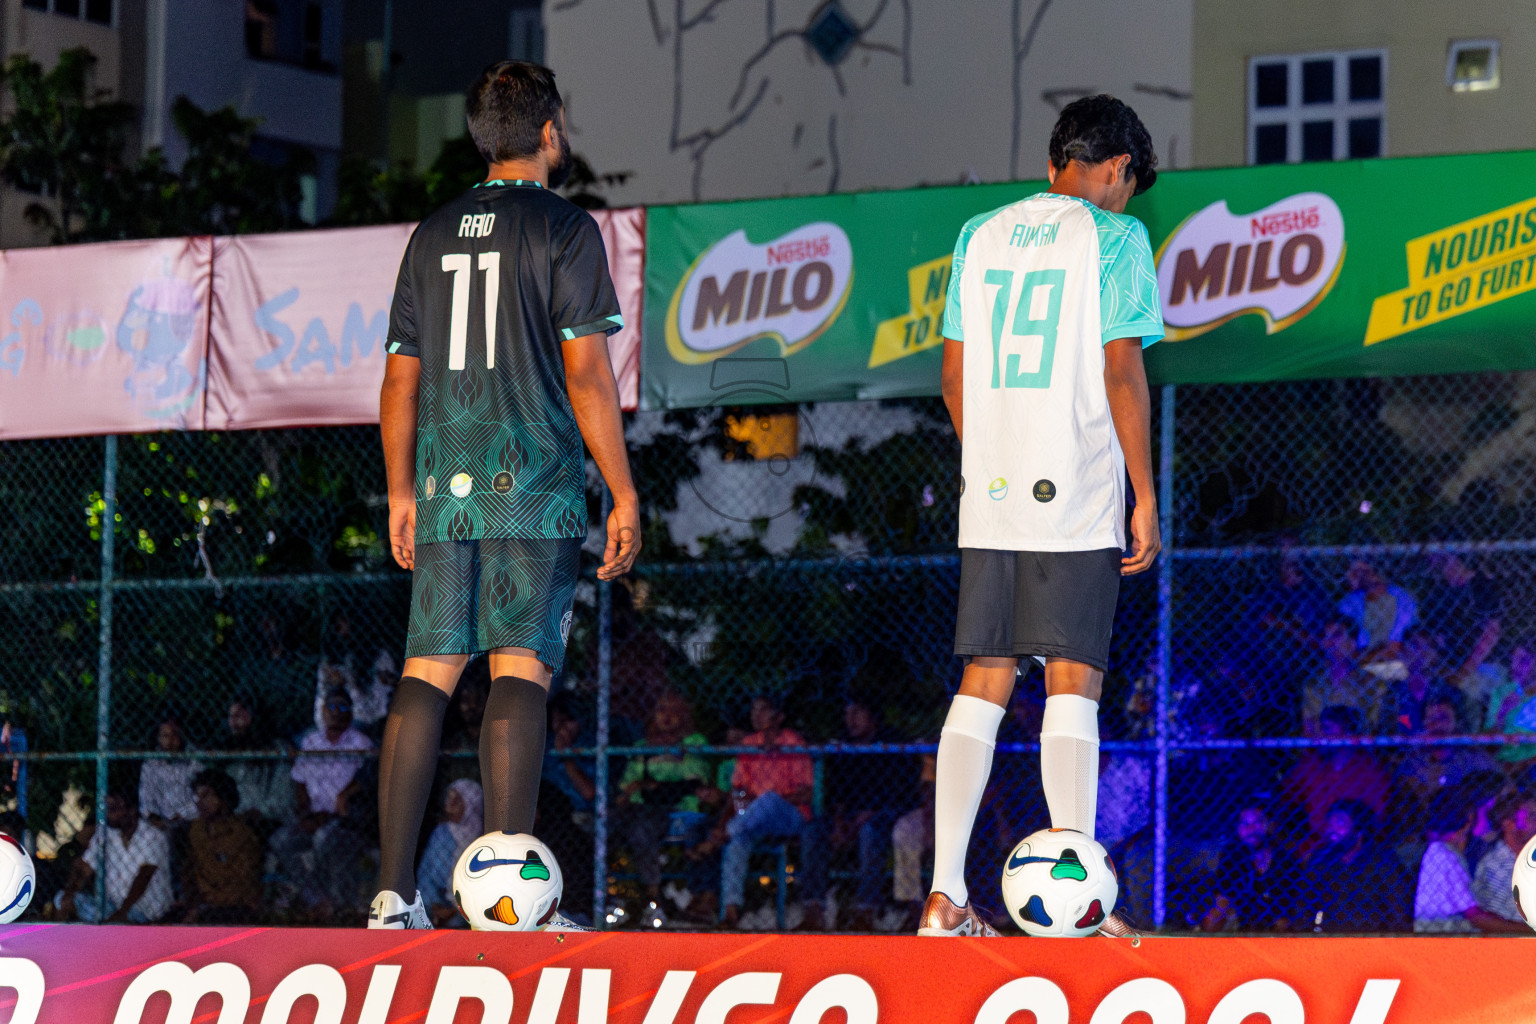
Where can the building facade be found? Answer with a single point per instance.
(707, 100)
(1317, 80)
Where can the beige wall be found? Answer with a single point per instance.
(930, 100)
(1423, 115)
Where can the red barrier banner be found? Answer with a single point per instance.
(104, 339)
(64, 974)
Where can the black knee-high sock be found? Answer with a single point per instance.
(512, 753)
(407, 763)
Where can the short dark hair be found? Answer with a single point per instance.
(222, 785)
(1358, 811)
(507, 108)
(1099, 128)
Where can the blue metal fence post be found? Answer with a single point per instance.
(104, 657)
(1164, 660)
(604, 699)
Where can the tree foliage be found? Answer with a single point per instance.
(66, 139)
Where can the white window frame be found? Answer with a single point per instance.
(1472, 84)
(51, 4)
(1294, 113)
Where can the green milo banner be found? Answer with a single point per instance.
(1365, 268)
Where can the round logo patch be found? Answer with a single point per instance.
(565, 628)
(962, 485)
(461, 485)
(997, 490)
(431, 487)
(502, 482)
(1044, 490)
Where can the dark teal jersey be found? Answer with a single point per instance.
(490, 287)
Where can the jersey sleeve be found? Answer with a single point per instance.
(1129, 306)
(952, 319)
(582, 299)
(403, 339)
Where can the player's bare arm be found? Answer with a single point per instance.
(1130, 406)
(595, 400)
(397, 425)
(952, 381)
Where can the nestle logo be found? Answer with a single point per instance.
(798, 252)
(1285, 223)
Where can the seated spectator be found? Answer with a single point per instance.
(138, 888)
(463, 822)
(462, 722)
(865, 794)
(222, 874)
(320, 849)
(1514, 815)
(1353, 883)
(1323, 777)
(1443, 902)
(1462, 611)
(655, 787)
(773, 801)
(165, 784)
(265, 786)
(1381, 613)
(1514, 710)
(572, 776)
(371, 694)
(1254, 888)
(1407, 697)
(1425, 772)
(1342, 682)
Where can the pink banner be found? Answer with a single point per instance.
(104, 339)
(298, 326)
(241, 333)
(74, 974)
(624, 237)
(299, 322)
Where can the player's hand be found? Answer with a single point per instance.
(1146, 541)
(402, 532)
(623, 542)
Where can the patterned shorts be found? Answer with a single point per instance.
(470, 596)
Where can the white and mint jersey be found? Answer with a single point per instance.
(1037, 289)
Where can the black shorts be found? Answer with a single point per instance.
(1055, 604)
(469, 596)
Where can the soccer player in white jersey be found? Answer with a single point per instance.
(1051, 300)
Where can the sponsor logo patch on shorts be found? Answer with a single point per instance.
(565, 628)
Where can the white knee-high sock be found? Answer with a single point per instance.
(1069, 761)
(960, 778)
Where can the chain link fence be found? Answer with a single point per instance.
(1328, 670)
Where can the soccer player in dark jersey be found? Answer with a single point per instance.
(497, 371)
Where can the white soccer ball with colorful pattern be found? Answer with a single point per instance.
(18, 879)
(1524, 882)
(507, 882)
(1058, 882)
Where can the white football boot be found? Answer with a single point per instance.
(388, 910)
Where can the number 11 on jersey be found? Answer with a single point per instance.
(458, 265)
(1037, 315)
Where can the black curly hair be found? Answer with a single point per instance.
(1099, 128)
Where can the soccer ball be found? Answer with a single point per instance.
(17, 879)
(1524, 883)
(507, 882)
(1059, 882)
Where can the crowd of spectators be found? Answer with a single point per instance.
(1327, 829)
